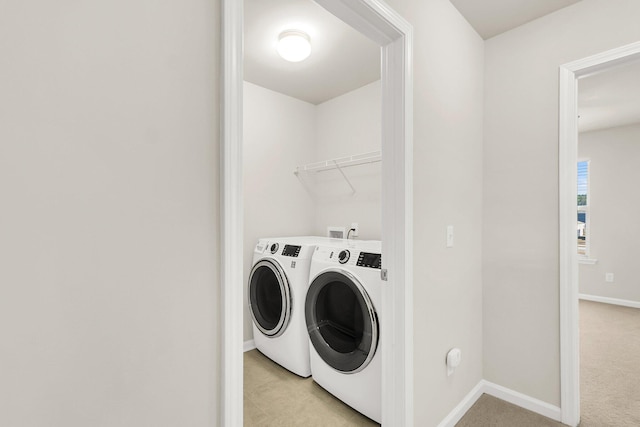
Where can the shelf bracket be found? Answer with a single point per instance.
(353, 190)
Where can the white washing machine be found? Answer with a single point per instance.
(277, 288)
(343, 323)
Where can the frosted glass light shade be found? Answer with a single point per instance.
(294, 46)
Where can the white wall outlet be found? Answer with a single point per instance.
(454, 357)
(608, 277)
(354, 227)
(449, 236)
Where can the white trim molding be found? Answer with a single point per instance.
(465, 404)
(514, 397)
(613, 301)
(568, 181)
(249, 345)
(231, 216)
(522, 400)
(568, 157)
(376, 20)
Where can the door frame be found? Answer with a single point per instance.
(568, 157)
(376, 20)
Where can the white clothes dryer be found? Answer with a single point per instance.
(277, 288)
(343, 323)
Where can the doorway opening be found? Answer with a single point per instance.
(569, 246)
(394, 35)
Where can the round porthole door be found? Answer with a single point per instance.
(269, 297)
(341, 321)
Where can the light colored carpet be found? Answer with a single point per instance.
(609, 377)
(275, 397)
(489, 411)
(609, 365)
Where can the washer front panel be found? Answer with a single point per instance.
(341, 321)
(269, 297)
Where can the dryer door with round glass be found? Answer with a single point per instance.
(341, 321)
(269, 297)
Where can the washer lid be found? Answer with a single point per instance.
(269, 297)
(341, 321)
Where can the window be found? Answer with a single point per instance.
(583, 209)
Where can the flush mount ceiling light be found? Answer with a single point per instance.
(294, 46)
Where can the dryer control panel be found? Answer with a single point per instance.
(291, 250)
(349, 257)
(368, 259)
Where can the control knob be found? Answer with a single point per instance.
(343, 256)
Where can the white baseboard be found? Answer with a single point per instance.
(249, 345)
(465, 404)
(522, 400)
(503, 393)
(607, 300)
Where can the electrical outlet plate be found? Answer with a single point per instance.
(336, 232)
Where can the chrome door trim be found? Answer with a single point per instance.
(285, 292)
(373, 317)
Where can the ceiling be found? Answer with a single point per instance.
(610, 98)
(492, 17)
(341, 58)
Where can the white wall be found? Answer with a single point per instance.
(349, 125)
(448, 105)
(520, 270)
(279, 134)
(109, 205)
(613, 210)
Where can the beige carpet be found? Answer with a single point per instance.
(609, 375)
(610, 384)
(610, 365)
(489, 411)
(274, 397)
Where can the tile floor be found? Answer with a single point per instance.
(275, 397)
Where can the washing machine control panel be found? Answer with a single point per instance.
(343, 256)
(291, 250)
(368, 259)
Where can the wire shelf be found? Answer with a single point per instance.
(341, 162)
